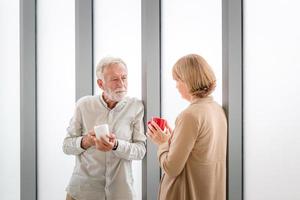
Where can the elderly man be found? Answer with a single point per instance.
(103, 169)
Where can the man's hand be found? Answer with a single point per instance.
(106, 145)
(88, 140)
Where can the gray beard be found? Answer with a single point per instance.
(115, 96)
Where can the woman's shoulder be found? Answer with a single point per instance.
(188, 114)
(196, 111)
(203, 106)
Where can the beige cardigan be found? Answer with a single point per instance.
(194, 164)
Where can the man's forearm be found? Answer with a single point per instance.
(130, 151)
(72, 145)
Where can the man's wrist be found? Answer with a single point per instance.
(84, 144)
(116, 145)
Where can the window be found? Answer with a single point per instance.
(10, 99)
(55, 94)
(271, 100)
(193, 27)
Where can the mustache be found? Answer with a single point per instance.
(120, 90)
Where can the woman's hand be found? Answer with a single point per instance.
(157, 135)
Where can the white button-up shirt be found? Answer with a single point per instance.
(105, 175)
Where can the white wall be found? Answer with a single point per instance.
(9, 100)
(55, 94)
(271, 100)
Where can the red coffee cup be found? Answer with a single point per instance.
(159, 121)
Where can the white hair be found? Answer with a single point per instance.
(106, 62)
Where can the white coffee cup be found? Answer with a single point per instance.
(102, 131)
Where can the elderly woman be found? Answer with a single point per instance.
(193, 156)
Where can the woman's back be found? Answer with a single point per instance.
(196, 164)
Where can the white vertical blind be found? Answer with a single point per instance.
(10, 99)
(55, 95)
(189, 26)
(117, 32)
(271, 100)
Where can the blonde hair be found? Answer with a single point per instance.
(107, 62)
(196, 73)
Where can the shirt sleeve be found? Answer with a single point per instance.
(72, 141)
(137, 149)
(173, 157)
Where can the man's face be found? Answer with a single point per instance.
(114, 83)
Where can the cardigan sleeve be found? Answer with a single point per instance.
(173, 157)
